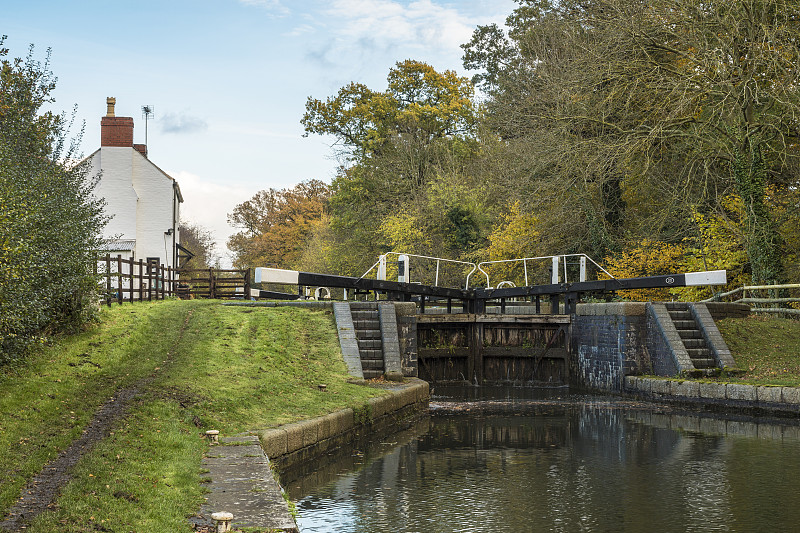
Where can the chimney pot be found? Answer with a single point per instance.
(117, 131)
(110, 102)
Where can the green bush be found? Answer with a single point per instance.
(49, 220)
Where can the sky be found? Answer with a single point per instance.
(229, 79)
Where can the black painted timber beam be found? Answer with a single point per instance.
(396, 289)
(309, 279)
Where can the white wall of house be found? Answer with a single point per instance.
(141, 199)
(116, 186)
(157, 210)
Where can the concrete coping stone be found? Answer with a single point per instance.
(660, 386)
(405, 308)
(612, 308)
(791, 395)
(274, 442)
(740, 391)
(769, 394)
(743, 392)
(295, 436)
(687, 389)
(715, 391)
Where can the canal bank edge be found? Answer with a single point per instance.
(751, 399)
(291, 444)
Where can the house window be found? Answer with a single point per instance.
(152, 265)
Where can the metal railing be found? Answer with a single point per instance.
(438, 260)
(525, 260)
(757, 301)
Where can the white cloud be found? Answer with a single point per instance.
(208, 204)
(182, 123)
(351, 37)
(391, 23)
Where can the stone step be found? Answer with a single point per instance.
(372, 374)
(368, 334)
(706, 362)
(363, 311)
(684, 324)
(694, 342)
(372, 364)
(699, 353)
(681, 315)
(367, 324)
(676, 305)
(370, 344)
(363, 306)
(371, 353)
(365, 317)
(689, 334)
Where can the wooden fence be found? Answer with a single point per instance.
(129, 280)
(772, 299)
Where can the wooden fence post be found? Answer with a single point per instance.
(130, 279)
(247, 284)
(108, 279)
(141, 276)
(119, 279)
(150, 282)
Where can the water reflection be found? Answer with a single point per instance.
(549, 462)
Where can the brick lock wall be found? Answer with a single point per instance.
(606, 348)
(116, 131)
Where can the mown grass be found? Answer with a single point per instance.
(230, 368)
(767, 349)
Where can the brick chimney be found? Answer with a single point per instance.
(114, 130)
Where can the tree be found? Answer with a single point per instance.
(276, 224)
(200, 242)
(404, 148)
(419, 104)
(50, 222)
(679, 102)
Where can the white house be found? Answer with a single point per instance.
(142, 200)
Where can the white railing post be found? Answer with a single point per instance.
(554, 273)
(583, 268)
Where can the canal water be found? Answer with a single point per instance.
(522, 460)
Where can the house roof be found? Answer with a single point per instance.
(174, 181)
(118, 245)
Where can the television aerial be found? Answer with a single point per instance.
(147, 113)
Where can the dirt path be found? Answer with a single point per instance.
(40, 493)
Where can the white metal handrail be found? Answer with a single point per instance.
(438, 262)
(525, 265)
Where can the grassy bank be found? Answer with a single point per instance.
(199, 365)
(767, 349)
